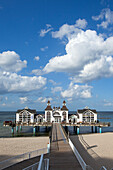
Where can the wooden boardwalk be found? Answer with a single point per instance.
(61, 156)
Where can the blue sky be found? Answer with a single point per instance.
(56, 50)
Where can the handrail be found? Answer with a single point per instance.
(22, 157)
(41, 163)
(103, 168)
(64, 132)
(38, 165)
(79, 158)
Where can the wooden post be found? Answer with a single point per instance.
(95, 129)
(20, 128)
(92, 129)
(12, 130)
(16, 128)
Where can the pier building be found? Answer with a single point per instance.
(56, 114)
(25, 115)
(86, 115)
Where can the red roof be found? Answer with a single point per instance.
(48, 108)
(64, 108)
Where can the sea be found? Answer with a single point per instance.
(103, 116)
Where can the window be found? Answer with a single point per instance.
(64, 116)
(48, 117)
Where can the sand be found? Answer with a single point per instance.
(95, 149)
(10, 147)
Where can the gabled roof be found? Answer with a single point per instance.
(84, 110)
(29, 110)
(48, 108)
(64, 108)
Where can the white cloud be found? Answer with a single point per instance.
(43, 32)
(88, 56)
(23, 100)
(106, 15)
(4, 104)
(53, 82)
(81, 23)
(6, 98)
(44, 48)
(107, 103)
(37, 72)
(11, 82)
(37, 58)
(10, 61)
(77, 91)
(56, 89)
(70, 30)
(44, 99)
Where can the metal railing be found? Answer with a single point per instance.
(43, 164)
(103, 168)
(79, 158)
(22, 157)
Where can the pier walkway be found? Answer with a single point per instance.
(61, 155)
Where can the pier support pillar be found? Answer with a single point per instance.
(12, 130)
(34, 130)
(16, 128)
(95, 129)
(78, 130)
(66, 129)
(91, 129)
(20, 128)
(75, 129)
(100, 130)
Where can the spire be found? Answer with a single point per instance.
(64, 103)
(48, 106)
(48, 103)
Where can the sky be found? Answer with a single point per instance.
(56, 50)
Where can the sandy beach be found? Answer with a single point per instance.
(95, 149)
(10, 147)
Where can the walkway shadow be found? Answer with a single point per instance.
(89, 156)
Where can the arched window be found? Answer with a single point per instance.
(64, 116)
(48, 117)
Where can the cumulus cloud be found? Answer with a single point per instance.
(43, 32)
(23, 100)
(37, 58)
(11, 82)
(10, 61)
(44, 99)
(106, 15)
(77, 91)
(88, 56)
(70, 30)
(56, 89)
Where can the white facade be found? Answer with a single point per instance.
(56, 114)
(87, 115)
(25, 116)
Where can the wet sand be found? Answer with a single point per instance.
(10, 147)
(95, 149)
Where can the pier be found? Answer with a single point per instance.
(61, 155)
(95, 127)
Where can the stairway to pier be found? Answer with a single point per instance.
(61, 155)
